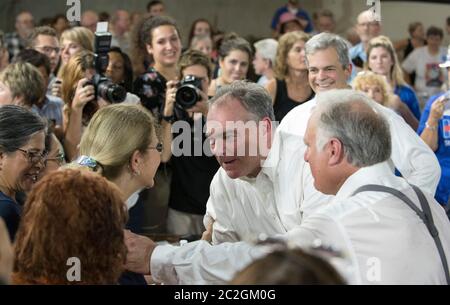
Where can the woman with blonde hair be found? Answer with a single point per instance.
(378, 89)
(382, 59)
(72, 41)
(79, 100)
(290, 87)
(120, 143)
(75, 40)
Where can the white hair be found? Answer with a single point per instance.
(352, 117)
(267, 48)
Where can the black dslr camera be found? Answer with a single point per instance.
(188, 94)
(104, 87)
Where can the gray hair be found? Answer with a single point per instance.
(17, 125)
(254, 98)
(267, 48)
(351, 117)
(324, 41)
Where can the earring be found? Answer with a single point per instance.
(136, 173)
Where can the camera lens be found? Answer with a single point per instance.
(187, 96)
(112, 93)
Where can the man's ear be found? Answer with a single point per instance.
(335, 152)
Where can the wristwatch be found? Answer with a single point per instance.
(430, 127)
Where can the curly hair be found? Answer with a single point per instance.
(369, 78)
(285, 44)
(71, 213)
(142, 35)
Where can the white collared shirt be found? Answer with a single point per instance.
(410, 155)
(244, 208)
(384, 239)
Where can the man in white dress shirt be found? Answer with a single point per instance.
(386, 242)
(292, 195)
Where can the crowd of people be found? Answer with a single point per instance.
(302, 158)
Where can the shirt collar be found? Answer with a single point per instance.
(365, 175)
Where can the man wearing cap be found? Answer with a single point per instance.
(434, 129)
(293, 8)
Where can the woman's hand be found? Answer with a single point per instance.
(83, 94)
(57, 88)
(171, 91)
(437, 110)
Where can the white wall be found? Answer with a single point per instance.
(247, 17)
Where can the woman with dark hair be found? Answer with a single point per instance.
(22, 146)
(71, 217)
(158, 38)
(235, 55)
(120, 70)
(200, 27)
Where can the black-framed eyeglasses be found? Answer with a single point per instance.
(158, 147)
(49, 50)
(60, 159)
(34, 158)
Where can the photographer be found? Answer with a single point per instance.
(192, 175)
(159, 38)
(434, 129)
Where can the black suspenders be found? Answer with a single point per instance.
(425, 215)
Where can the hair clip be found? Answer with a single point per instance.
(87, 161)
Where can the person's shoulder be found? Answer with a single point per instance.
(297, 117)
(7, 207)
(54, 100)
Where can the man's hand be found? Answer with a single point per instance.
(207, 235)
(140, 249)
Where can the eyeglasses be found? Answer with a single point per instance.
(60, 159)
(34, 158)
(158, 147)
(49, 50)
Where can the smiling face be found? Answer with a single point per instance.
(234, 66)
(236, 148)
(165, 46)
(150, 161)
(326, 72)
(18, 173)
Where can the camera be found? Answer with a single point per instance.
(188, 94)
(103, 86)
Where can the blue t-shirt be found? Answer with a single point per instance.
(300, 13)
(408, 97)
(10, 212)
(443, 151)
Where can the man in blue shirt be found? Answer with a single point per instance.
(293, 6)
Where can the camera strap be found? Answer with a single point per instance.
(425, 215)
